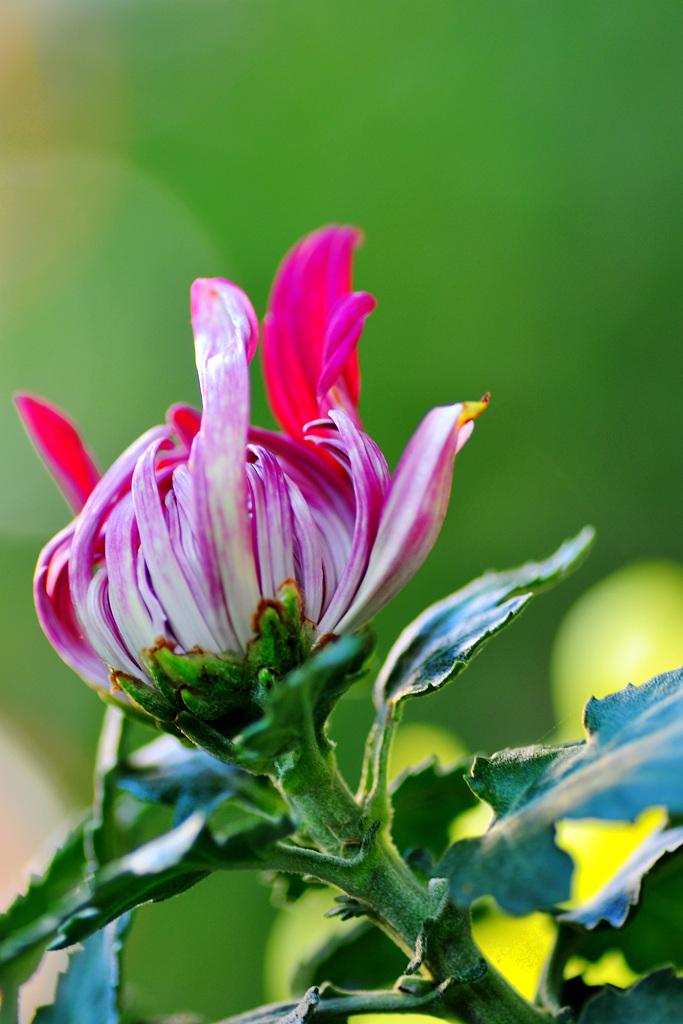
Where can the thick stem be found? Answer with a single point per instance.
(360, 859)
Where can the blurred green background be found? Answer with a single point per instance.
(516, 169)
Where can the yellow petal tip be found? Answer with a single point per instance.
(470, 410)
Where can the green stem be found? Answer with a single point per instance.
(358, 857)
(101, 836)
(9, 1004)
(341, 1007)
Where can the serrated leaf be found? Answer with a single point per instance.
(655, 999)
(306, 695)
(162, 868)
(613, 902)
(87, 991)
(33, 917)
(653, 932)
(168, 773)
(425, 802)
(442, 641)
(632, 760)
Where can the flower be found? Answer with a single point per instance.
(212, 554)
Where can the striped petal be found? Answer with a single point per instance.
(413, 511)
(115, 482)
(139, 627)
(170, 586)
(102, 627)
(328, 493)
(272, 520)
(225, 334)
(308, 554)
(56, 612)
(369, 488)
(60, 446)
(312, 278)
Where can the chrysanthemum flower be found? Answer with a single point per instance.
(212, 552)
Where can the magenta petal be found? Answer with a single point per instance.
(60, 446)
(345, 327)
(185, 420)
(312, 278)
(223, 328)
(369, 488)
(90, 522)
(412, 515)
(56, 612)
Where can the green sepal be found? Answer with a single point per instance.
(209, 686)
(303, 700)
(147, 697)
(283, 635)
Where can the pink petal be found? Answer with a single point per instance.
(272, 521)
(170, 586)
(308, 553)
(56, 612)
(60, 446)
(312, 278)
(412, 515)
(91, 520)
(139, 627)
(102, 628)
(223, 323)
(328, 493)
(344, 329)
(185, 420)
(369, 487)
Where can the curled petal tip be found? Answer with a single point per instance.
(218, 306)
(471, 410)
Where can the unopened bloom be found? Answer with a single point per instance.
(212, 551)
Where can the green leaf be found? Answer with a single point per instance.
(168, 773)
(442, 641)
(360, 958)
(653, 931)
(632, 759)
(162, 868)
(426, 800)
(32, 919)
(655, 999)
(303, 700)
(613, 903)
(87, 991)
